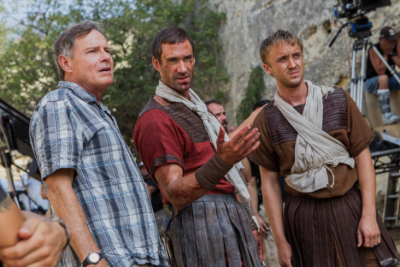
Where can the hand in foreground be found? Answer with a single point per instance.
(264, 229)
(368, 232)
(40, 245)
(240, 146)
(259, 245)
(285, 255)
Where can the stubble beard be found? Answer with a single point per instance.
(183, 88)
(291, 84)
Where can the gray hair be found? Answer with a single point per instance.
(66, 41)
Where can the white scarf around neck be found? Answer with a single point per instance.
(314, 149)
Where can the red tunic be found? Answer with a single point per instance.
(174, 134)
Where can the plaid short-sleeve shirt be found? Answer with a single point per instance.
(70, 129)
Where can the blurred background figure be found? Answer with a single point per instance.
(28, 191)
(33, 198)
(215, 106)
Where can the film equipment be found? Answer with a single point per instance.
(14, 130)
(359, 29)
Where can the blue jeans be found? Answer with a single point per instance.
(371, 85)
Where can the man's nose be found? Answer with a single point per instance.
(105, 56)
(182, 67)
(292, 63)
(223, 117)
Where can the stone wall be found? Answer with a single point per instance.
(248, 22)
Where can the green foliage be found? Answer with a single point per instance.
(255, 88)
(28, 70)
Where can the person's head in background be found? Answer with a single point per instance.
(143, 170)
(218, 110)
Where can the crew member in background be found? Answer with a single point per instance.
(379, 80)
(33, 198)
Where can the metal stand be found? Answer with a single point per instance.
(357, 81)
(360, 29)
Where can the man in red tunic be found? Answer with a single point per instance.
(185, 151)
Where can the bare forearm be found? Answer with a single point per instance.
(381, 67)
(184, 191)
(273, 207)
(367, 181)
(244, 124)
(252, 186)
(68, 208)
(396, 60)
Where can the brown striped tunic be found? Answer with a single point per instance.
(321, 227)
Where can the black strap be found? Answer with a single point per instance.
(86, 261)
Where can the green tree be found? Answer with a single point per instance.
(3, 31)
(29, 71)
(253, 93)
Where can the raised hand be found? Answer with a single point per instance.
(240, 146)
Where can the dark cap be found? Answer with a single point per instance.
(388, 33)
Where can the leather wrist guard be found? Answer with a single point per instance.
(209, 175)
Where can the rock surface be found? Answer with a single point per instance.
(248, 22)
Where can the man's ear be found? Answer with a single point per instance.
(65, 63)
(267, 69)
(156, 64)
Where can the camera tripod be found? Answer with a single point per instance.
(360, 29)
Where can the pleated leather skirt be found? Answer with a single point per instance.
(212, 231)
(317, 229)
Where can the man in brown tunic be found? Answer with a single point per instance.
(332, 225)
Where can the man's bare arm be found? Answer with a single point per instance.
(368, 230)
(181, 190)
(67, 207)
(247, 122)
(377, 63)
(272, 197)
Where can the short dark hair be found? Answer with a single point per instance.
(261, 103)
(169, 35)
(213, 101)
(275, 38)
(66, 41)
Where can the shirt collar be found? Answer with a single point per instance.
(82, 94)
(79, 91)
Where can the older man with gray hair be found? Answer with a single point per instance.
(90, 174)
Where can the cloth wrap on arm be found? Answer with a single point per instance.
(212, 126)
(314, 149)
